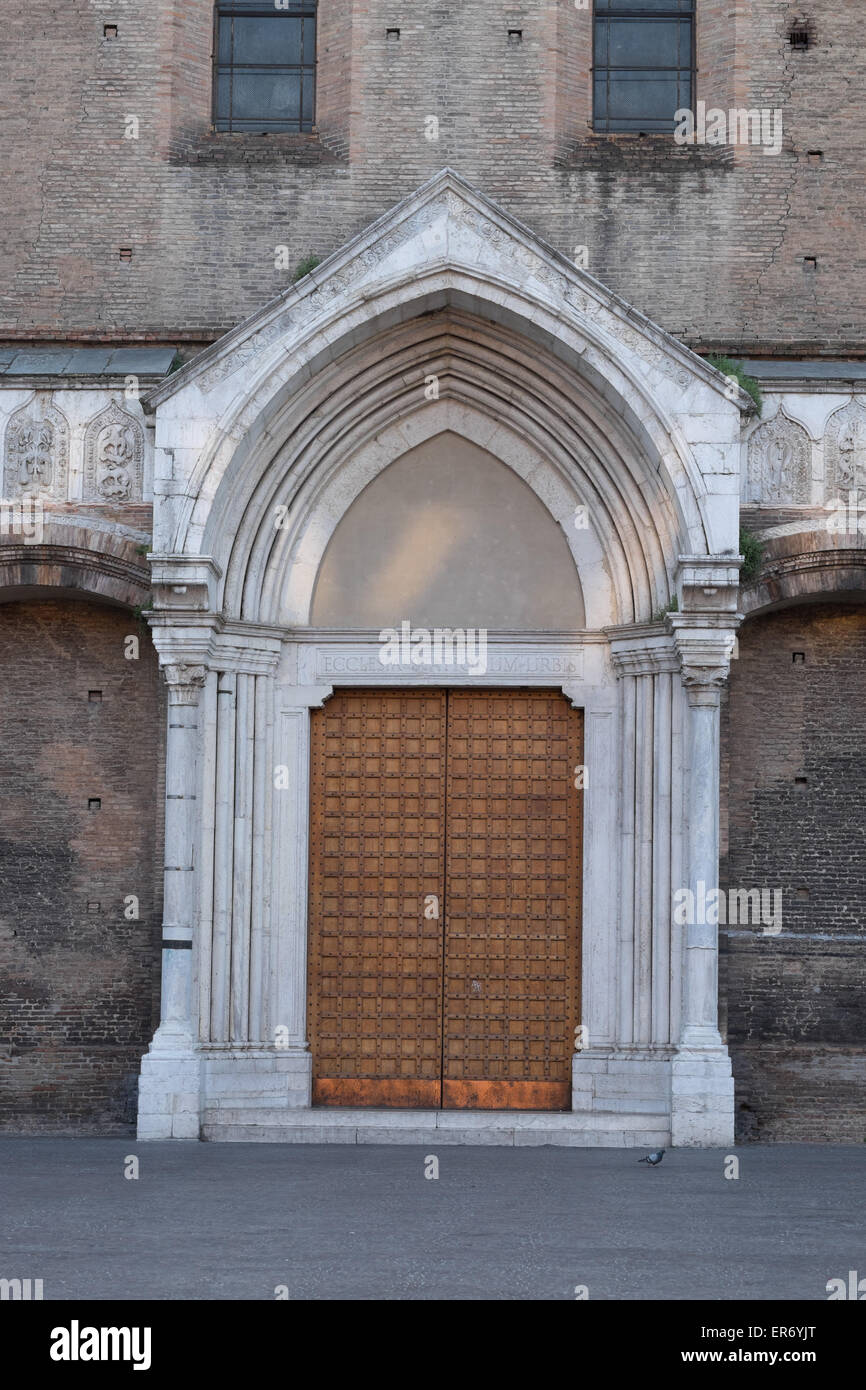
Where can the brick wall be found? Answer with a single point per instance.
(710, 242)
(334, 87)
(79, 983)
(794, 766)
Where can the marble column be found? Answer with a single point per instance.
(629, 1072)
(700, 965)
(170, 1083)
(702, 1087)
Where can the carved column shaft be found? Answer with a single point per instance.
(700, 983)
(176, 1027)
(704, 648)
(646, 663)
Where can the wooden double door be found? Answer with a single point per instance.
(445, 879)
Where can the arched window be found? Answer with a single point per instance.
(643, 63)
(265, 65)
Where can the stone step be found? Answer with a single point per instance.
(511, 1128)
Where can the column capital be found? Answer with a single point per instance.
(704, 649)
(641, 649)
(185, 681)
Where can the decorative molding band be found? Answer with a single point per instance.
(199, 640)
(806, 575)
(69, 567)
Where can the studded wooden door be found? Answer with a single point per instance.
(377, 845)
(445, 899)
(512, 900)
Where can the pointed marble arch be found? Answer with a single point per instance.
(224, 422)
(592, 405)
(564, 446)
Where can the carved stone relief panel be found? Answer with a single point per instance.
(36, 457)
(113, 457)
(845, 451)
(779, 471)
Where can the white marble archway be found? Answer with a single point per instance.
(261, 446)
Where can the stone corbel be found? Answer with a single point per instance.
(574, 693)
(184, 583)
(708, 583)
(298, 697)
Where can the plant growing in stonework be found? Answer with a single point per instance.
(728, 367)
(752, 551)
(140, 613)
(304, 267)
(672, 607)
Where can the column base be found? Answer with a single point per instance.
(702, 1098)
(255, 1077)
(169, 1093)
(627, 1081)
(689, 1092)
(178, 1083)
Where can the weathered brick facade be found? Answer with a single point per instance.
(79, 982)
(108, 148)
(795, 758)
(710, 242)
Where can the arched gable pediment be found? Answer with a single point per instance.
(639, 428)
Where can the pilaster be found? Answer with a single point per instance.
(704, 629)
(170, 1084)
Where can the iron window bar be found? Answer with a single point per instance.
(300, 14)
(681, 73)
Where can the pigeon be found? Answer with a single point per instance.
(653, 1159)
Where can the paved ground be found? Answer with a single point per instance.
(218, 1221)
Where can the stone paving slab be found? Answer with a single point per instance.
(234, 1221)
